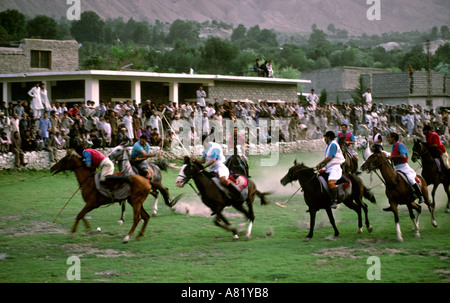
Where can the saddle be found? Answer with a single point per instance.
(344, 186)
(411, 189)
(238, 181)
(117, 193)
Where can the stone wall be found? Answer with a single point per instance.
(253, 91)
(64, 56)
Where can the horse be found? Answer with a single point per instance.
(139, 189)
(367, 151)
(430, 171)
(216, 199)
(350, 166)
(399, 191)
(316, 197)
(121, 155)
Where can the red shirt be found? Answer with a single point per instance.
(433, 139)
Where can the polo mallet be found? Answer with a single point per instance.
(282, 205)
(66, 204)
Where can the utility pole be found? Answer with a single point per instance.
(429, 101)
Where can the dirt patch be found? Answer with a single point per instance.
(198, 209)
(85, 249)
(354, 253)
(32, 228)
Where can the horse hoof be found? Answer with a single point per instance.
(235, 238)
(360, 230)
(417, 236)
(307, 239)
(447, 210)
(370, 229)
(120, 222)
(400, 240)
(126, 239)
(330, 238)
(434, 223)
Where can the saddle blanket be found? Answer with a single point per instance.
(118, 194)
(344, 186)
(240, 182)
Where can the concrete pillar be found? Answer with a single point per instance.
(6, 93)
(136, 91)
(173, 92)
(92, 90)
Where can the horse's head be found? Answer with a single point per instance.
(374, 161)
(187, 171)
(419, 149)
(362, 144)
(70, 162)
(292, 174)
(117, 153)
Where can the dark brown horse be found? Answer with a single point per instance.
(430, 171)
(350, 166)
(399, 192)
(139, 190)
(216, 199)
(316, 197)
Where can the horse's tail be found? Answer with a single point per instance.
(164, 191)
(262, 196)
(162, 164)
(368, 194)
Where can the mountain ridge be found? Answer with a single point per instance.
(280, 15)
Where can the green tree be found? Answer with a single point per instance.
(359, 90)
(14, 23)
(239, 33)
(90, 28)
(42, 27)
(183, 30)
(218, 55)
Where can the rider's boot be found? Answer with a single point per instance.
(418, 193)
(235, 193)
(334, 197)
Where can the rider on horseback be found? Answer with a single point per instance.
(399, 156)
(332, 162)
(140, 153)
(349, 140)
(437, 149)
(214, 158)
(95, 159)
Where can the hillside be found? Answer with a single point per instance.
(281, 15)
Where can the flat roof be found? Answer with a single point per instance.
(143, 76)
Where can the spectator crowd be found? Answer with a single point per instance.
(56, 126)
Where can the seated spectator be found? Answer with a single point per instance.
(5, 143)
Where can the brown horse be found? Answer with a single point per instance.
(316, 197)
(139, 190)
(350, 166)
(430, 171)
(399, 192)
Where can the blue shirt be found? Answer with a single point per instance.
(331, 150)
(136, 152)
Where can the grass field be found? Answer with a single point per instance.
(182, 248)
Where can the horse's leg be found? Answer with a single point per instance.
(155, 204)
(447, 191)
(357, 208)
(146, 217)
(415, 220)
(431, 206)
(249, 216)
(394, 209)
(331, 217)
(312, 222)
(122, 217)
(366, 214)
(226, 226)
(136, 218)
(87, 208)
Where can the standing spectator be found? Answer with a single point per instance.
(36, 103)
(201, 95)
(44, 99)
(19, 109)
(5, 124)
(137, 128)
(55, 121)
(52, 147)
(128, 121)
(114, 127)
(257, 69)
(269, 69)
(368, 98)
(16, 144)
(45, 127)
(24, 124)
(312, 99)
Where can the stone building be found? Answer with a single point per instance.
(406, 88)
(36, 55)
(56, 64)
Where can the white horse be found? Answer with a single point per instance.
(122, 156)
(365, 146)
